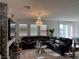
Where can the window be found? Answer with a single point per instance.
(43, 29)
(65, 30)
(23, 29)
(33, 30)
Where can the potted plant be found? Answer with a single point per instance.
(51, 31)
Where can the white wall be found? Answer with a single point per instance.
(50, 24)
(55, 24)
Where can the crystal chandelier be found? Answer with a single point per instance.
(38, 21)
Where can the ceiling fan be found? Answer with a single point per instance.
(28, 5)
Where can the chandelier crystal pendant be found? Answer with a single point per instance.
(38, 21)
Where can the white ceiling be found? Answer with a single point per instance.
(50, 9)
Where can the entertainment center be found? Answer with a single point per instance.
(11, 39)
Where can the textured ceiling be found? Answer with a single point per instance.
(50, 9)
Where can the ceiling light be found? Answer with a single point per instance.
(38, 20)
(28, 6)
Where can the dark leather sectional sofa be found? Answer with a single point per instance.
(30, 41)
(60, 45)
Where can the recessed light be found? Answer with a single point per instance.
(28, 7)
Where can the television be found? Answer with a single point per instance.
(11, 28)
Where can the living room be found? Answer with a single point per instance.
(29, 26)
